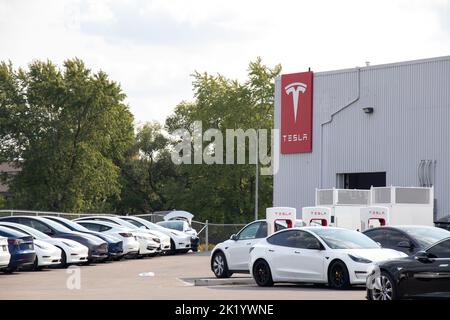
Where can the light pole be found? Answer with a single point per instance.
(257, 175)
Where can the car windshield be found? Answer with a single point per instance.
(175, 225)
(426, 236)
(55, 225)
(344, 239)
(73, 225)
(127, 224)
(33, 232)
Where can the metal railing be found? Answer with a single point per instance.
(208, 232)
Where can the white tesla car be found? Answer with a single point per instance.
(149, 241)
(182, 221)
(4, 253)
(178, 241)
(52, 251)
(151, 228)
(133, 242)
(231, 256)
(339, 257)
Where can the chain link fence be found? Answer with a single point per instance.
(209, 233)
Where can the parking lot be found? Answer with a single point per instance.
(168, 277)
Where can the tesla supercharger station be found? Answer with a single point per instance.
(317, 216)
(280, 214)
(372, 217)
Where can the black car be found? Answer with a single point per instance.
(443, 223)
(407, 239)
(98, 249)
(115, 245)
(423, 275)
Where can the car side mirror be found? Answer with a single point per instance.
(233, 237)
(422, 256)
(404, 244)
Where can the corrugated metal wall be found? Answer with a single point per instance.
(410, 123)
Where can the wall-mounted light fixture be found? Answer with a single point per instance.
(368, 110)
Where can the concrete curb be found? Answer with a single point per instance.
(223, 282)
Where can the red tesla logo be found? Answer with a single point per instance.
(296, 112)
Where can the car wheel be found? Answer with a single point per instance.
(35, 264)
(219, 266)
(262, 274)
(63, 263)
(384, 288)
(172, 250)
(10, 270)
(338, 277)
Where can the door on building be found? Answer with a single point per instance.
(362, 180)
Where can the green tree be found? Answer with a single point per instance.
(224, 192)
(69, 130)
(146, 172)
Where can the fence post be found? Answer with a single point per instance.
(206, 236)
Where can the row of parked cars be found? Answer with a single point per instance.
(392, 261)
(35, 242)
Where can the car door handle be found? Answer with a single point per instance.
(443, 265)
(248, 243)
(297, 252)
(271, 250)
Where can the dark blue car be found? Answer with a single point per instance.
(20, 247)
(115, 245)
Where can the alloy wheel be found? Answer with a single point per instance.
(383, 289)
(218, 265)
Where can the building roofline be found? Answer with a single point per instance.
(383, 66)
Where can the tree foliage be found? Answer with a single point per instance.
(224, 192)
(69, 131)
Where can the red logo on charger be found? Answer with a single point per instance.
(296, 112)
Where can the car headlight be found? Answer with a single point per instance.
(359, 259)
(156, 240)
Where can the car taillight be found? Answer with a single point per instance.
(14, 242)
(125, 234)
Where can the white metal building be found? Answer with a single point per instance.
(377, 125)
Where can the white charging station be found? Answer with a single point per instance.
(287, 215)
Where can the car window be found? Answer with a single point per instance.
(262, 231)
(285, 239)
(394, 238)
(426, 236)
(104, 228)
(136, 223)
(440, 250)
(175, 225)
(40, 226)
(249, 232)
(378, 235)
(295, 239)
(304, 240)
(91, 226)
(344, 238)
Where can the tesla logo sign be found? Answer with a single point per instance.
(296, 112)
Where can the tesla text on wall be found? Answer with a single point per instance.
(296, 112)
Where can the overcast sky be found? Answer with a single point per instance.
(152, 47)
